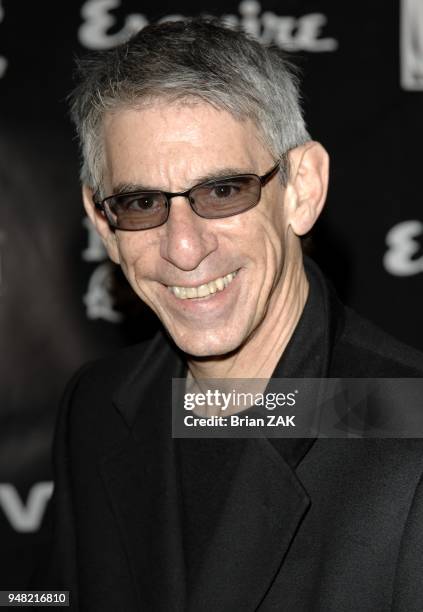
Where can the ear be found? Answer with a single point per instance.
(307, 185)
(99, 221)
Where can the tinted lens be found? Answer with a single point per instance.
(226, 197)
(137, 211)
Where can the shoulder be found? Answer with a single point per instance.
(358, 347)
(103, 377)
(363, 349)
(88, 414)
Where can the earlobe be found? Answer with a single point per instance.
(101, 225)
(309, 182)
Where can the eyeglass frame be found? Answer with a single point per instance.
(263, 179)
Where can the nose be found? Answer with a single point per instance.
(187, 238)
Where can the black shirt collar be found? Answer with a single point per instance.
(307, 353)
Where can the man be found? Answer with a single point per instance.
(201, 179)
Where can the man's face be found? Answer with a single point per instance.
(172, 147)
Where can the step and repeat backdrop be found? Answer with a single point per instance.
(62, 303)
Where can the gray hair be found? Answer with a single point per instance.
(183, 60)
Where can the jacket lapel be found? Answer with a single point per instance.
(141, 480)
(264, 507)
(145, 502)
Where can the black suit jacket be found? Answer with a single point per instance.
(327, 525)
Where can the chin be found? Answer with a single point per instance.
(201, 345)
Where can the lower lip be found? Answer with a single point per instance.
(208, 301)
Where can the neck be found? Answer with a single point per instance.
(259, 355)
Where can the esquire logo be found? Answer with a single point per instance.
(411, 45)
(3, 60)
(305, 33)
(404, 242)
(25, 516)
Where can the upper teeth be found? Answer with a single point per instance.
(218, 284)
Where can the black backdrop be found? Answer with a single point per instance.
(62, 303)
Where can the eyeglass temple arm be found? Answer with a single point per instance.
(266, 177)
(98, 204)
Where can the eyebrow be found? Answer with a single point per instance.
(120, 188)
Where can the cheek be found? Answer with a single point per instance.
(275, 226)
(268, 240)
(268, 258)
(137, 255)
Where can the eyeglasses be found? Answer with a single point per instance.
(214, 199)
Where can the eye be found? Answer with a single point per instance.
(225, 190)
(139, 202)
(142, 203)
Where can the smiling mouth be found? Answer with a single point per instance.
(214, 286)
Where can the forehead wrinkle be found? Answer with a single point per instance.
(125, 187)
(184, 149)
